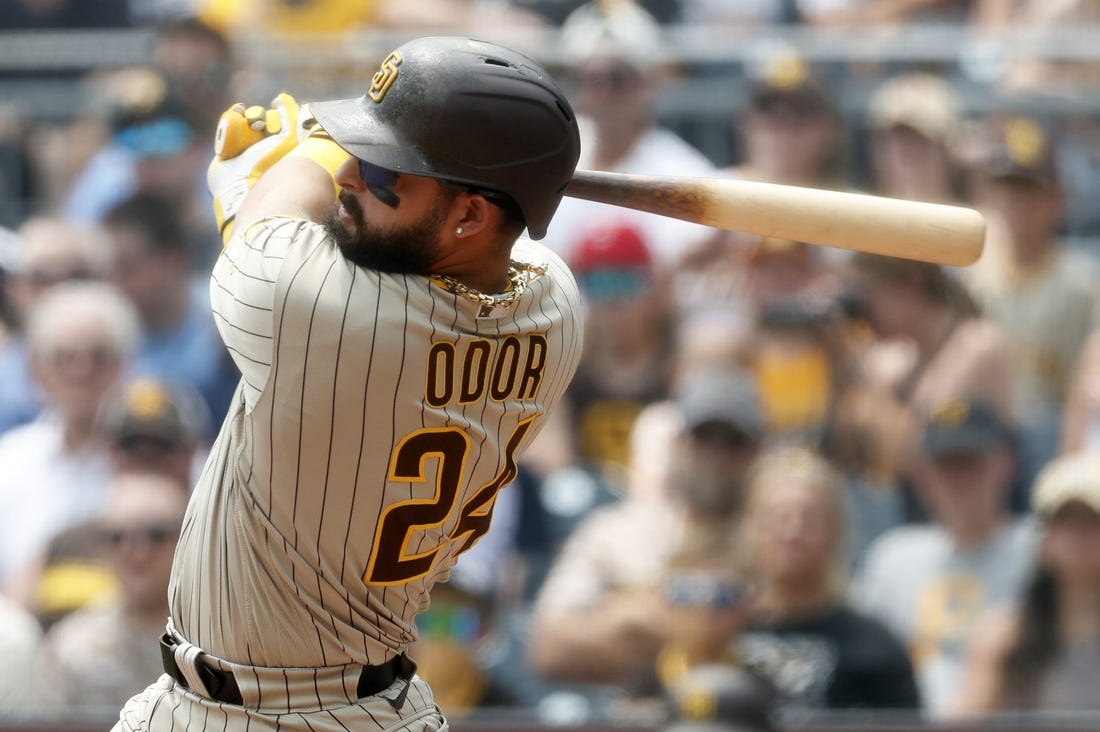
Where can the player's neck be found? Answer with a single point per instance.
(479, 265)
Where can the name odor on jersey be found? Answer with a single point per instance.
(464, 373)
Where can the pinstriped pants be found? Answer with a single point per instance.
(165, 705)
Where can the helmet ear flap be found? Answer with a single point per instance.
(469, 112)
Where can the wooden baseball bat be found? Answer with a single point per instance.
(910, 229)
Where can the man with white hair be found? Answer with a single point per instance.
(54, 470)
(45, 252)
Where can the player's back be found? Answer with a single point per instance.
(365, 451)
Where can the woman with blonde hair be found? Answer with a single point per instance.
(818, 652)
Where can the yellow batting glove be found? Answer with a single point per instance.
(248, 141)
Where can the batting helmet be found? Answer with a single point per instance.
(466, 111)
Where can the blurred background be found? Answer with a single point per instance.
(790, 487)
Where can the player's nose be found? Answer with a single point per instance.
(347, 175)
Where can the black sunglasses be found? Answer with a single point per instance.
(379, 181)
(146, 535)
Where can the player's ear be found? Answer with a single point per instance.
(474, 215)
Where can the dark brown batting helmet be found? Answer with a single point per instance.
(466, 111)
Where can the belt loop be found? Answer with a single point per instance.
(187, 657)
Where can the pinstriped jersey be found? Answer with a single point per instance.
(377, 417)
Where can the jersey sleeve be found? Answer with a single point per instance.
(242, 294)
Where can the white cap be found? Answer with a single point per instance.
(613, 28)
(1070, 477)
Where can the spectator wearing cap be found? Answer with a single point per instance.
(152, 145)
(914, 119)
(50, 252)
(1041, 291)
(618, 59)
(94, 658)
(151, 263)
(157, 428)
(1043, 654)
(602, 601)
(719, 698)
(932, 583)
(626, 359)
(804, 636)
(81, 337)
(789, 132)
(580, 458)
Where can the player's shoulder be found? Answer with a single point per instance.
(272, 229)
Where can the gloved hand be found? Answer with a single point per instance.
(248, 141)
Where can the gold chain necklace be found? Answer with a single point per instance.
(519, 275)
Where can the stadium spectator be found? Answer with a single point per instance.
(199, 62)
(50, 252)
(626, 360)
(931, 346)
(97, 657)
(153, 145)
(792, 131)
(151, 263)
(618, 60)
(158, 428)
(789, 132)
(1041, 291)
(804, 636)
(602, 599)
(932, 583)
(914, 119)
(1044, 653)
(80, 337)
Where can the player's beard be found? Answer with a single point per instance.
(411, 250)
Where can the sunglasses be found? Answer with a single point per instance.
(380, 180)
(152, 535)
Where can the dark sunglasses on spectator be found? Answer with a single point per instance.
(153, 534)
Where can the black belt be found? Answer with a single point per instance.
(223, 686)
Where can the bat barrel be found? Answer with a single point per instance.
(889, 226)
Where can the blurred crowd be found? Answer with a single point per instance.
(787, 482)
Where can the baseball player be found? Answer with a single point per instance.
(400, 346)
